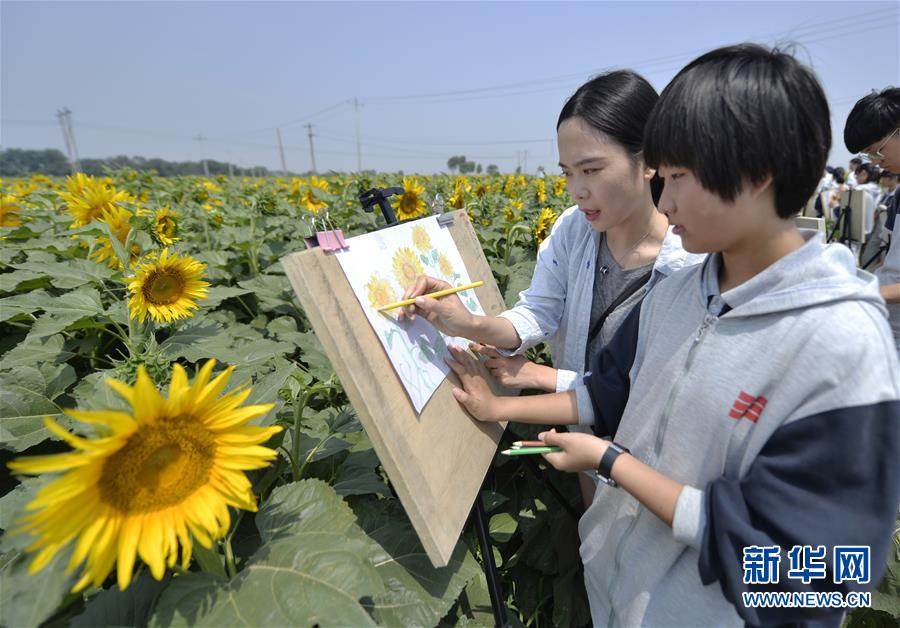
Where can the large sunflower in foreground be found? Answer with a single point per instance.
(410, 204)
(156, 479)
(166, 288)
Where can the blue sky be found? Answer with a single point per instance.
(433, 79)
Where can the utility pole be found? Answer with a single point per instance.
(312, 152)
(525, 163)
(65, 123)
(358, 149)
(281, 152)
(200, 139)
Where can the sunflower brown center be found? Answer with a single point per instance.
(159, 466)
(409, 271)
(163, 287)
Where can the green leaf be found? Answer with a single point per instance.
(314, 355)
(27, 600)
(69, 274)
(112, 607)
(209, 560)
(217, 294)
(312, 570)
(49, 350)
(266, 390)
(10, 282)
(196, 332)
(23, 303)
(502, 526)
(417, 593)
(12, 505)
(22, 413)
(357, 475)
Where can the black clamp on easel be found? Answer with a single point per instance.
(380, 196)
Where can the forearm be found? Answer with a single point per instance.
(657, 492)
(550, 409)
(890, 292)
(494, 330)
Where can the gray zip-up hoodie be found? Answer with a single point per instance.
(779, 414)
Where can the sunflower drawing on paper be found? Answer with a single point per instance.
(380, 266)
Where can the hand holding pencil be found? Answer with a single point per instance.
(447, 313)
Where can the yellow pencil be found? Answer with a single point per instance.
(433, 295)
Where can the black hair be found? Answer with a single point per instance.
(744, 112)
(616, 104)
(887, 174)
(840, 176)
(856, 159)
(871, 118)
(869, 169)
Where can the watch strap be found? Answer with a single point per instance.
(604, 469)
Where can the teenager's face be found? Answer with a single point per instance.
(889, 147)
(705, 222)
(601, 176)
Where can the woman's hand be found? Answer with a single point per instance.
(581, 452)
(477, 397)
(516, 371)
(447, 314)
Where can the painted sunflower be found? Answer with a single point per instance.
(160, 477)
(420, 239)
(406, 266)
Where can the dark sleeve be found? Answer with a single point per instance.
(828, 479)
(607, 382)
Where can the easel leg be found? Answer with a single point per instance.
(490, 568)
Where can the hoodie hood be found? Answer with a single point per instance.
(815, 274)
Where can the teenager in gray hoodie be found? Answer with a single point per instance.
(758, 393)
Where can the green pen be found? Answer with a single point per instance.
(524, 451)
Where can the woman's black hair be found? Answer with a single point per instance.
(618, 105)
(840, 176)
(744, 112)
(872, 118)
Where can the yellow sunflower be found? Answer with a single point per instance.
(318, 183)
(166, 288)
(559, 186)
(158, 479)
(512, 211)
(445, 266)
(88, 198)
(410, 204)
(310, 201)
(380, 293)
(9, 211)
(481, 189)
(540, 191)
(119, 221)
(545, 220)
(406, 266)
(164, 226)
(460, 187)
(420, 239)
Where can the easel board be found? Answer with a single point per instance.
(436, 460)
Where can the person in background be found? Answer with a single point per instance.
(855, 162)
(867, 180)
(873, 128)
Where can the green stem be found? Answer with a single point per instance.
(230, 567)
(299, 406)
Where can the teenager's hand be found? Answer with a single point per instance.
(516, 371)
(447, 314)
(581, 452)
(477, 396)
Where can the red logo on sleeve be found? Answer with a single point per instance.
(747, 406)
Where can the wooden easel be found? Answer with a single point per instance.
(437, 460)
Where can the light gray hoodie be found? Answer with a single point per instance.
(781, 418)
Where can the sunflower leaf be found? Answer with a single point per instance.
(113, 607)
(22, 413)
(27, 600)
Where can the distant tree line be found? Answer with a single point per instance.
(17, 162)
(459, 162)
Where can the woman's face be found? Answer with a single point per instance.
(601, 176)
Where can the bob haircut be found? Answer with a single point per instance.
(739, 113)
(871, 118)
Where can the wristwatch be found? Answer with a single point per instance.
(604, 469)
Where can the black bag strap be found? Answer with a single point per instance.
(629, 290)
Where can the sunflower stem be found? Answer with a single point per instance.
(230, 567)
(299, 406)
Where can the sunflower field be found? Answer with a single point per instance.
(177, 449)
